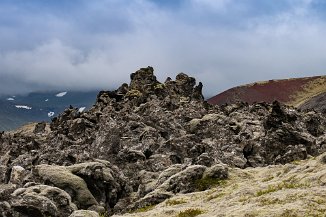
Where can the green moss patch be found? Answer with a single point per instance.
(207, 183)
(190, 213)
(283, 185)
(175, 202)
(144, 209)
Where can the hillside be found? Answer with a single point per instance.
(149, 142)
(292, 92)
(16, 111)
(295, 189)
(317, 102)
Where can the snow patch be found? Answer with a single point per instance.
(23, 107)
(61, 94)
(81, 109)
(50, 114)
(10, 99)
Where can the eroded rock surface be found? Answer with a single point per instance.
(41, 201)
(145, 142)
(84, 213)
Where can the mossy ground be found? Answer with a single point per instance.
(295, 189)
(190, 213)
(207, 183)
(173, 202)
(144, 209)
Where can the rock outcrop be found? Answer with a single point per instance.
(144, 143)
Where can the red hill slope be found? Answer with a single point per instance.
(296, 92)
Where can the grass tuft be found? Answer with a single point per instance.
(175, 202)
(207, 183)
(190, 213)
(144, 209)
(290, 184)
(211, 197)
(267, 179)
(106, 214)
(270, 189)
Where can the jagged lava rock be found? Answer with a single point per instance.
(147, 140)
(41, 200)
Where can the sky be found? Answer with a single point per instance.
(96, 44)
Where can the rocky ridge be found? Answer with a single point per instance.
(142, 144)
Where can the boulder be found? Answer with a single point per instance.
(148, 182)
(39, 128)
(3, 174)
(150, 199)
(172, 170)
(61, 177)
(5, 209)
(18, 174)
(41, 201)
(106, 182)
(218, 171)
(84, 213)
(6, 190)
(184, 181)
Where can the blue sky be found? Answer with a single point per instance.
(96, 44)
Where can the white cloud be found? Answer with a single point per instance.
(222, 52)
(217, 5)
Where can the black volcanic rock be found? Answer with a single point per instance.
(145, 141)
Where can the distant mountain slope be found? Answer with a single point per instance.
(317, 102)
(18, 110)
(295, 92)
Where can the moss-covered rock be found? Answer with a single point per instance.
(84, 213)
(62, 178)
(41, 201)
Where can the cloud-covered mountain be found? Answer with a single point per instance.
(18, 110)
(92, 44)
